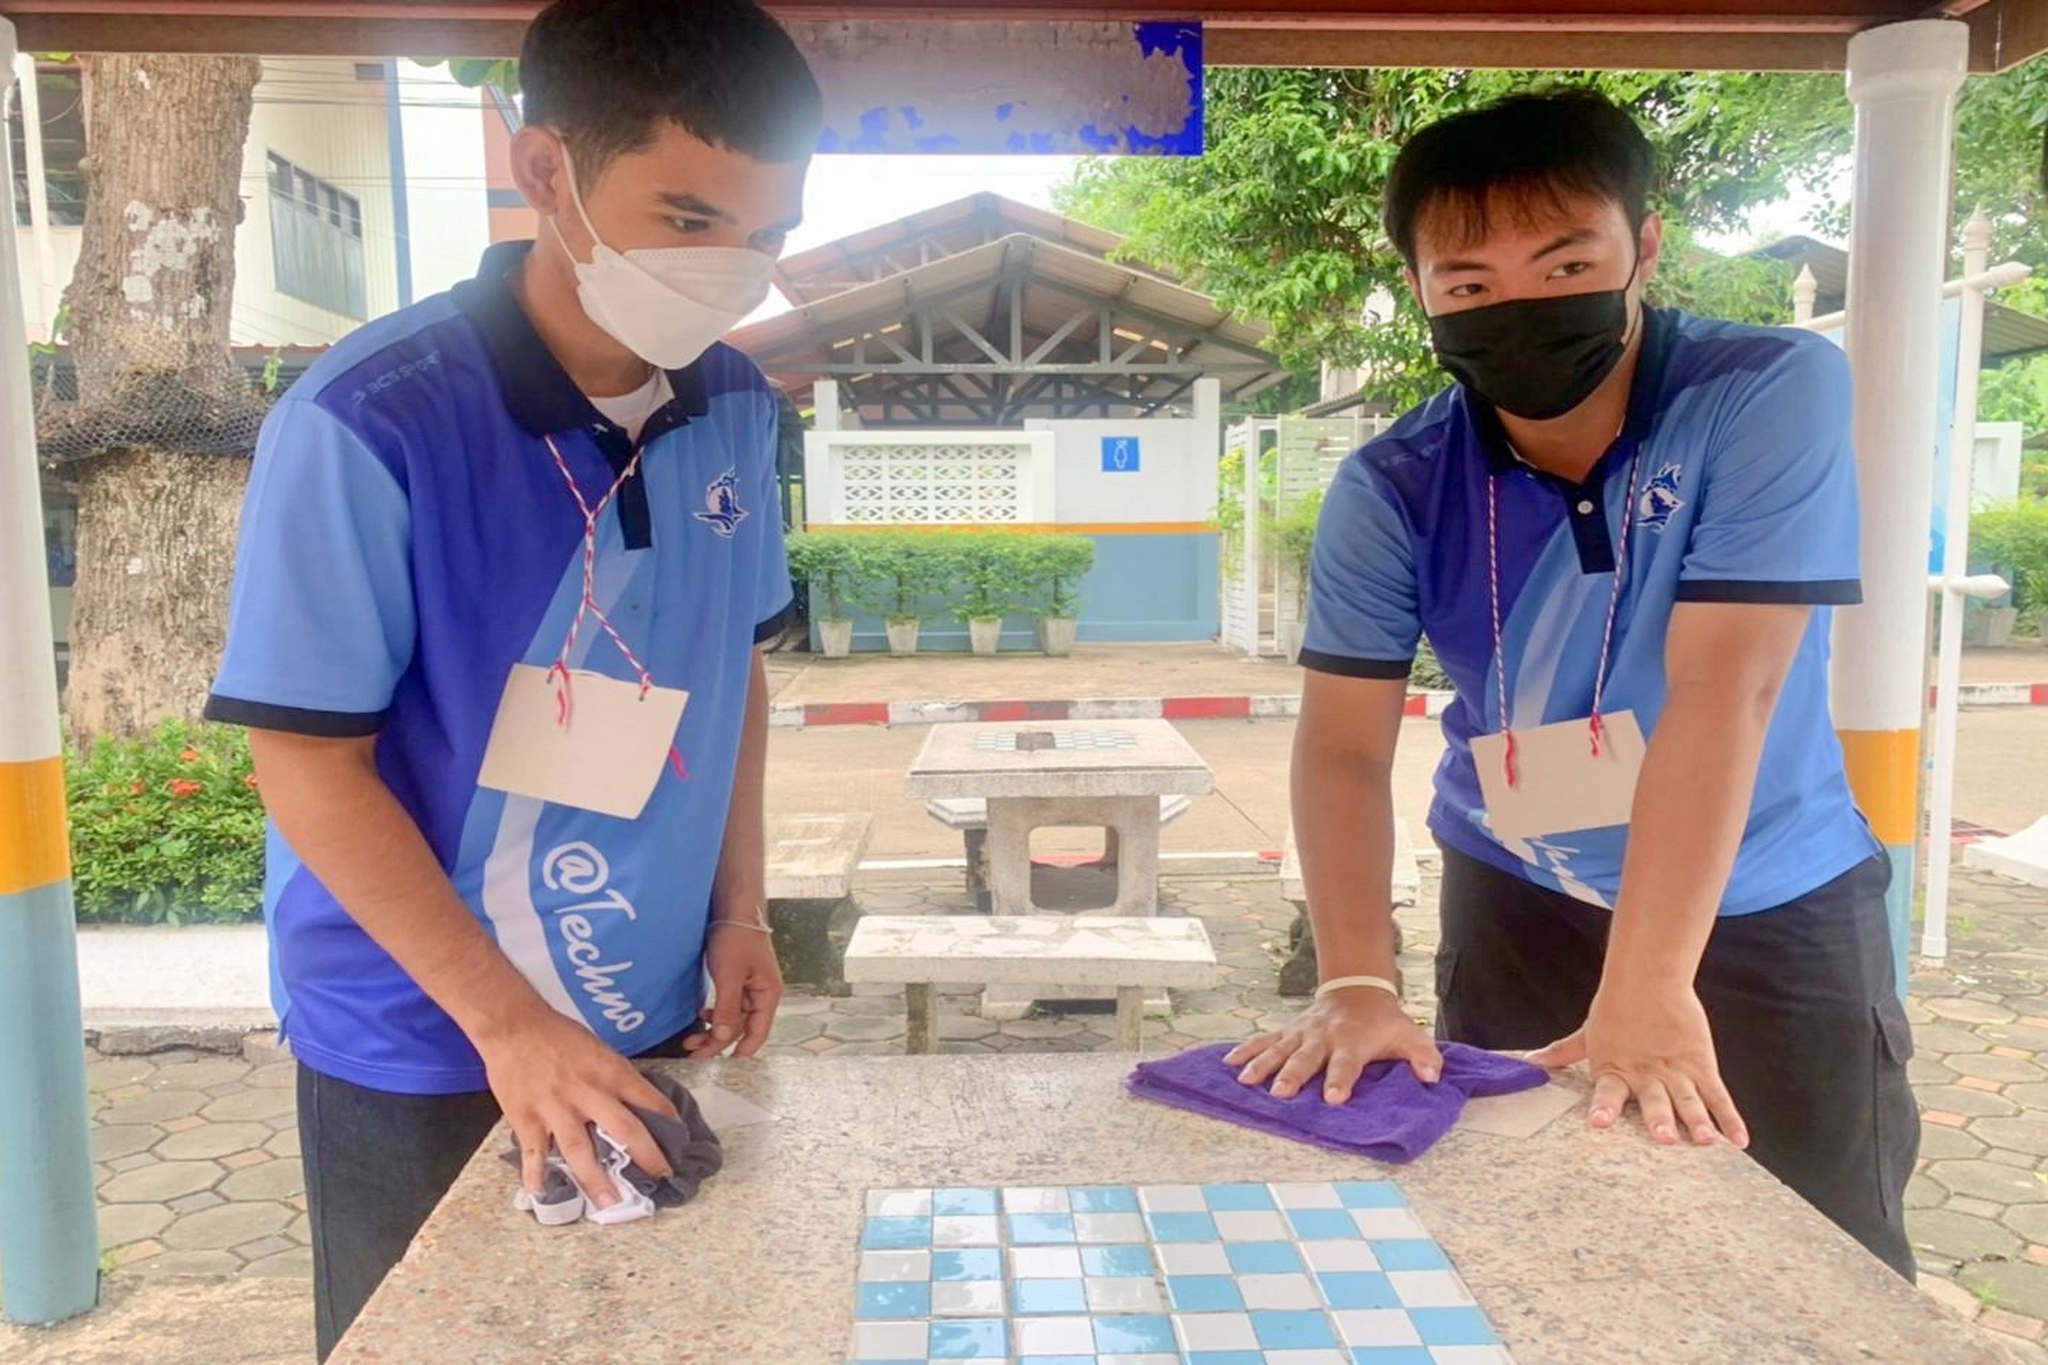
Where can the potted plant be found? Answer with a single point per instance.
(985, 570)
(1294, 540)
(825, 562)
(897, 573)
(1057, 566)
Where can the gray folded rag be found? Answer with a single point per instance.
(693, 1151)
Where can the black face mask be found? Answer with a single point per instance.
(1536, 358)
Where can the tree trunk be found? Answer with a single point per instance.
(165, 420)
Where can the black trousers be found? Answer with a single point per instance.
(376, 1165)
(1807, 1024)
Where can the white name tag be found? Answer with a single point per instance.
(608, 756)
(1562, 787)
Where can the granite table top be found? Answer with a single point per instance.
(1081, 758)
(1583, 1248)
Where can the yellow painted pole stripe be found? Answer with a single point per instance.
(1884, 777)
(33, 848)
(1038, 528)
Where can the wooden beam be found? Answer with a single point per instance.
(2004, 33)
(1528, 50)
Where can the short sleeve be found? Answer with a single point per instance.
(773, 596)
(321, 621)
(1363, 620)
(1778, 516)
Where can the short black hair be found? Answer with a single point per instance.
(605, 73)
(1524, 154)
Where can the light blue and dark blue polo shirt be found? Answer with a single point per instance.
(1746, 493)
(406, 540)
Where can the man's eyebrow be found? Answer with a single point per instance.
(1573, 238)
(1447, 267)
(690, 203)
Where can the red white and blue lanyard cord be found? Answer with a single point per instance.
(1595, 725)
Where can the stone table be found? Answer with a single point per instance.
(1583, 1248)
(1065, 772)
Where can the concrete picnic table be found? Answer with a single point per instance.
(1034, 774)
(1582, 1248)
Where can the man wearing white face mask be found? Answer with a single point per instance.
(506, 562)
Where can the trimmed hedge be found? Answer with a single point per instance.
(977, 575)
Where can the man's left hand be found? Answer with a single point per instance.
(746, 988)
(1652, 1045)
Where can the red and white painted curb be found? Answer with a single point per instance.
(807, 715)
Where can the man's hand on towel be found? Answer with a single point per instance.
(1651, 1043)
(552, 1076)
(746, 990)
(1338, 1036)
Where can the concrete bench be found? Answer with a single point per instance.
(811, 862)
(1298, 976)
(1128, 956)
(969, 815)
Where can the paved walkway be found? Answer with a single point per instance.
(198, 1153)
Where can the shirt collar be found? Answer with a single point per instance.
(537, 390)
(1645, 393)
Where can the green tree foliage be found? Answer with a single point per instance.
(1280, 219)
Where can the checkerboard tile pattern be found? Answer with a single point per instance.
(1006, 742)
(1236, 1274)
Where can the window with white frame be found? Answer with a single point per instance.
(316, 241)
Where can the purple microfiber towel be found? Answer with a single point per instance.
(1391, 1115)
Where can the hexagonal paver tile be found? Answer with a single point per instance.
(1960, 1236)
(865, 1028)
(1951, 1296)
(1963, 1009)
(121, 1224)
(965, 1027)
(294, 1264)
(301, 1229)
(1984, 1180)
(263, 1246)
(285, 1144)
(154, 1107)
(796, 1028)
(195, 1203)
(110, 1141)
(213, 1140)
(1941, 1143)
(1927, 1069)
(230, 1225)
(111, 1073)
(191, 1263)
(1959, 1099)
(272, 1180)
(2006, 1157)
(1942, 1039)
(2028, 1133)
(2016, 1286)
(1212, 1026)
(205, 1074)
(2029, 1221)
(250, 1105)
(160, 1182)
(1990, 1067)
(2031, 1037)
(274, 1076)
(1053, 1026)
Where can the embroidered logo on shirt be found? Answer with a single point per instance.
(1660, 498)
(723, 512)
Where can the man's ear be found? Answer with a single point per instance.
(1650, 246)
(539, 169)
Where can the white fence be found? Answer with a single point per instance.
(1261, 598)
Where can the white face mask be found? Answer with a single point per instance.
(665, 305)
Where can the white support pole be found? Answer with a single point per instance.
(1249, 570)
(49, 290)
(1903, 80)
(49, 1244)
(1955, 565)
(825, 405)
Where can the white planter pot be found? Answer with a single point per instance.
(1989, 625)
(903, 637)
(1056, 635)
(836, 637)
(986, 635)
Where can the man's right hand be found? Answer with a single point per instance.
(1340, 1035)
(552, 1076)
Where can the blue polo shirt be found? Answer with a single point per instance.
(407, 539)
(1746, 492)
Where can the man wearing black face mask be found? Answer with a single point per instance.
(1623, 529)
